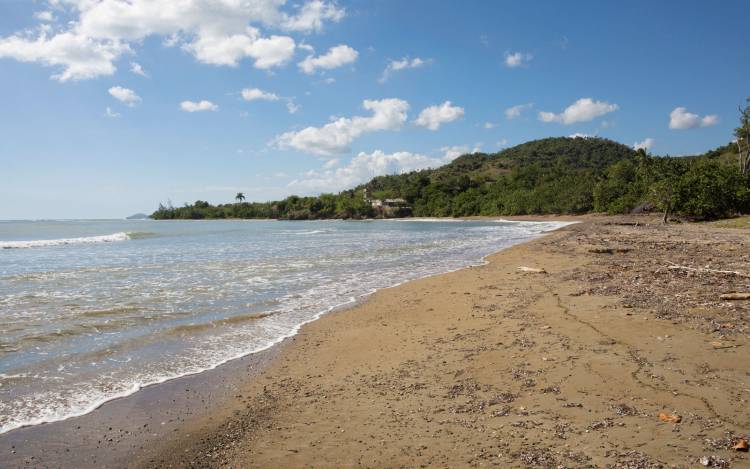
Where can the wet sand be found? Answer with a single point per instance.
(569, 366)
(566, 363)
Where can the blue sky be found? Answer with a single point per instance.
(96, 93)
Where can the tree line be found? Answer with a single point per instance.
(548, 176)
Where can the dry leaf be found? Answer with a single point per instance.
(741, 445)
(669, 418)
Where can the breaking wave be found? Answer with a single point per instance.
(37, 243)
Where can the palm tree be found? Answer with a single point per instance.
(239, 197)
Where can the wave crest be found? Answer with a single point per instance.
(111, 238)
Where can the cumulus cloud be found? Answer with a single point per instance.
(292, 107)
(681, 119)
(450, 153)
(312, 16)
(192, 106)
(434, 116)
(646, 144)
(44, 16)
(335, 137)
(110, 113)
(515, 112)
(362, 168)
(256, 94)
(336, 57)
(219, 32)
(583, 110)
(403, 64)
(136, 68)
(79, 56)
(517, 59)
(503, 142)
(489, 125)
(580, 135)
(125, 95)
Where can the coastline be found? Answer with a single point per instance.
(492, 365)
(489, 365)
(107, 434)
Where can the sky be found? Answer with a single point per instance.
(110, 107)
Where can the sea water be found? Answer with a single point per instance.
(95, 310)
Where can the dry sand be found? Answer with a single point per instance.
(494, 366)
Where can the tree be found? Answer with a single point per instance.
(743, 138)
(239, 197)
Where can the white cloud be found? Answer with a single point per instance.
(292, 107)
(450, 153)
(219, 32)
(136, 68)
(337, 56)
(335, 137)
(125, 95)
(583, 110)
(517, 59)
(192, 106)
(79, 56)
(580, 135)
(516, 111)
(434, 116)
(362, 168)
(332, 163)
(681, 119)
(255, 94)
(403, 64)
(110, 113)
(502, 143)
(268, 52)
(646, 144)
(489, 125)
(312, 15)
(45, 16)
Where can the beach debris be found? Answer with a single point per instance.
(669, 418)
(624, 410)
(706, 270)
(531, 270)
(609, 250)
(741, 445)
(735, 296)
(720, 345)
(713, 461)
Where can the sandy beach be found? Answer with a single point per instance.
(604, 344)
(614, 353)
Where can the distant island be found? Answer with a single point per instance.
(137, 216)
(561, 175)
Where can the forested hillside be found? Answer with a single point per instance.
(549, 176)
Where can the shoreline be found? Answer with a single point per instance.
(66, 432)
(485, 365)
(571, 365)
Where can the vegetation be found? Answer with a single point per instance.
(548, 176)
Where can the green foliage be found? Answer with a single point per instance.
(548, 176)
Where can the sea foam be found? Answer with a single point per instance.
(122, 236)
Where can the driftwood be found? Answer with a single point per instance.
(710, 271)
(735, 296)
(608, 250)
(532, 270)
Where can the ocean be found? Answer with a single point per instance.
(95, 310)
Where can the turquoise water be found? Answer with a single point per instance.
(94, 310)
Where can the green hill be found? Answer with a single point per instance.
(548, 176)
(552, 175)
